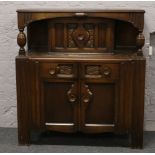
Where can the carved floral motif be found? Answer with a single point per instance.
(80, 36)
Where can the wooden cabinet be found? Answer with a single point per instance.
(82, 72)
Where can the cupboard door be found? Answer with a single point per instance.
(99, 96)
(61, 104)
(98, 106)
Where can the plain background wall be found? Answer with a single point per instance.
(9, 49)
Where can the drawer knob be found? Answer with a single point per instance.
(106, 71)
(86, 100)
(52, 72)
(72, 98)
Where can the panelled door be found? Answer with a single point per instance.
(59, 89)
(99, 97)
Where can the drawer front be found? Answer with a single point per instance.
(100, 71)
(58, 70)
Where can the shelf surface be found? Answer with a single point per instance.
(82, 56)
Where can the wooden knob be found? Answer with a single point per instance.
(80, 37)
(86, 100)
(72, 98)
(106, 71)
(52, 71)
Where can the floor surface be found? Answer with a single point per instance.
(71, 143)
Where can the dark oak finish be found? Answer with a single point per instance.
(83, 70)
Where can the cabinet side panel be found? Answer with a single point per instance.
(125, 97)
(36, 107)
(22, 101)
(138, 105)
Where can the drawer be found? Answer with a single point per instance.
(58, 70)
(106, 71)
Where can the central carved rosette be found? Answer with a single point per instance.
(80, 36)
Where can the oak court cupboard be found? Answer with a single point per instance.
(82, 71)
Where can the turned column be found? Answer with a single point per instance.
(140, 43)
(21, 40)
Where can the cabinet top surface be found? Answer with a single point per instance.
(76, 10)
(81, 57)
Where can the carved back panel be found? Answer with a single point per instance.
(81, 34)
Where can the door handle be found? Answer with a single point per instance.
(71, 93)
(87, 94)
